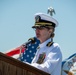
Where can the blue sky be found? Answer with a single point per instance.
(17, 18)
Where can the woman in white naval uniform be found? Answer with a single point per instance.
(48, 56)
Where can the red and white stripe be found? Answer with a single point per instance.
(15, 52)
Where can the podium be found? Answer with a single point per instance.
(12, 66)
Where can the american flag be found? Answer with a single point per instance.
(15, 52)
(30, 51)
(27, 53)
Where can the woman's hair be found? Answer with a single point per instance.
(52, 35)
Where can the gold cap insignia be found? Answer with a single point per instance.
(37, 18)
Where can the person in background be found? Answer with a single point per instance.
(48, 56)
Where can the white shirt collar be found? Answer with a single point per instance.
(44, 43)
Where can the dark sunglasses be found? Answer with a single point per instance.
(41, 28)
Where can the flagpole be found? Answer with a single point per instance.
(20, 52)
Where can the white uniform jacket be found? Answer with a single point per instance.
(48, 59)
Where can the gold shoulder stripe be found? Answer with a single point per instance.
(49, 44)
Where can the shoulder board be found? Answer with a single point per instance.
(49, 44)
